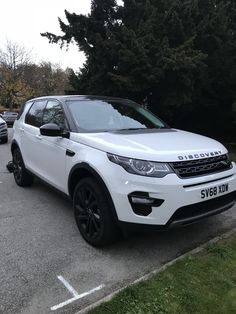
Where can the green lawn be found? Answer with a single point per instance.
(203, 283)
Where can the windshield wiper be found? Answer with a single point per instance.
(133, 129)
(130, 129)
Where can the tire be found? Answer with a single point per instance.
(93, 213)
(21, 175)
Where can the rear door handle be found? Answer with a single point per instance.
(22, 130)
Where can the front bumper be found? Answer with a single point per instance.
(182, 197)
(192, 213)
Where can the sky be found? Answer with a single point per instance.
(22, 21)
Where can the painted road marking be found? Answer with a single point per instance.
(68, 286)
(75, 294)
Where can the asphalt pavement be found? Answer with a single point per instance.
(46, 266)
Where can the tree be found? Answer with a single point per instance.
(177, 55)
(13, 88)
(14, 56)
(21, 78)
(47, 78)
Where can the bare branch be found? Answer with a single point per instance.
(14, 56)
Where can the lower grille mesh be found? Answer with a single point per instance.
(206, 207)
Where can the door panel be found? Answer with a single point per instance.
(53, 149)
(45, 156)
(52, 160)
(30, 133)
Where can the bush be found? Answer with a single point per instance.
(7, 109)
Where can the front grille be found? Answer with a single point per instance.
(190, 213)
(199, 167)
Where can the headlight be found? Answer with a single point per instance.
(141, 167)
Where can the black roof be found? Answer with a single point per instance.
(81, 97)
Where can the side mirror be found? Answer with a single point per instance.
(52, 129)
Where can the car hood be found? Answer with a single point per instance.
(154, 145)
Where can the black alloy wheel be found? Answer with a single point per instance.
(18, 164)
(22, 177)
(88, 212)
(93, 213)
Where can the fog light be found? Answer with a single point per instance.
(142, 200)
(142, 203)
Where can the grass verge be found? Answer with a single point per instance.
(202, 283)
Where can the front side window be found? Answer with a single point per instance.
(53, 113)
(35, 114)
(101, 115)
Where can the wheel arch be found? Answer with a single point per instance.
(83, 170)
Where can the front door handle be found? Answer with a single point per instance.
(70, 153)
(39, 137)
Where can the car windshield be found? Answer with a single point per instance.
(101, 115)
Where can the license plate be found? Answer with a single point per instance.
(214, 191)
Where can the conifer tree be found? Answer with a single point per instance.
(178, 56)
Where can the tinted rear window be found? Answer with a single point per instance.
(35, 114)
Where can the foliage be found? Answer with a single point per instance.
(47, 78)
(21, 79)
(179, 57)
(232, 151)
(14, 88)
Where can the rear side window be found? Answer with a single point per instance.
(35, 114)
(22, 109)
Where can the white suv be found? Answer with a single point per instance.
(120, 164)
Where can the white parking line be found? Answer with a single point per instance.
(68, 286)
(75, 294)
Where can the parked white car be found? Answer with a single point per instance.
(120, 164)
(9, 116)
(3, 131)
